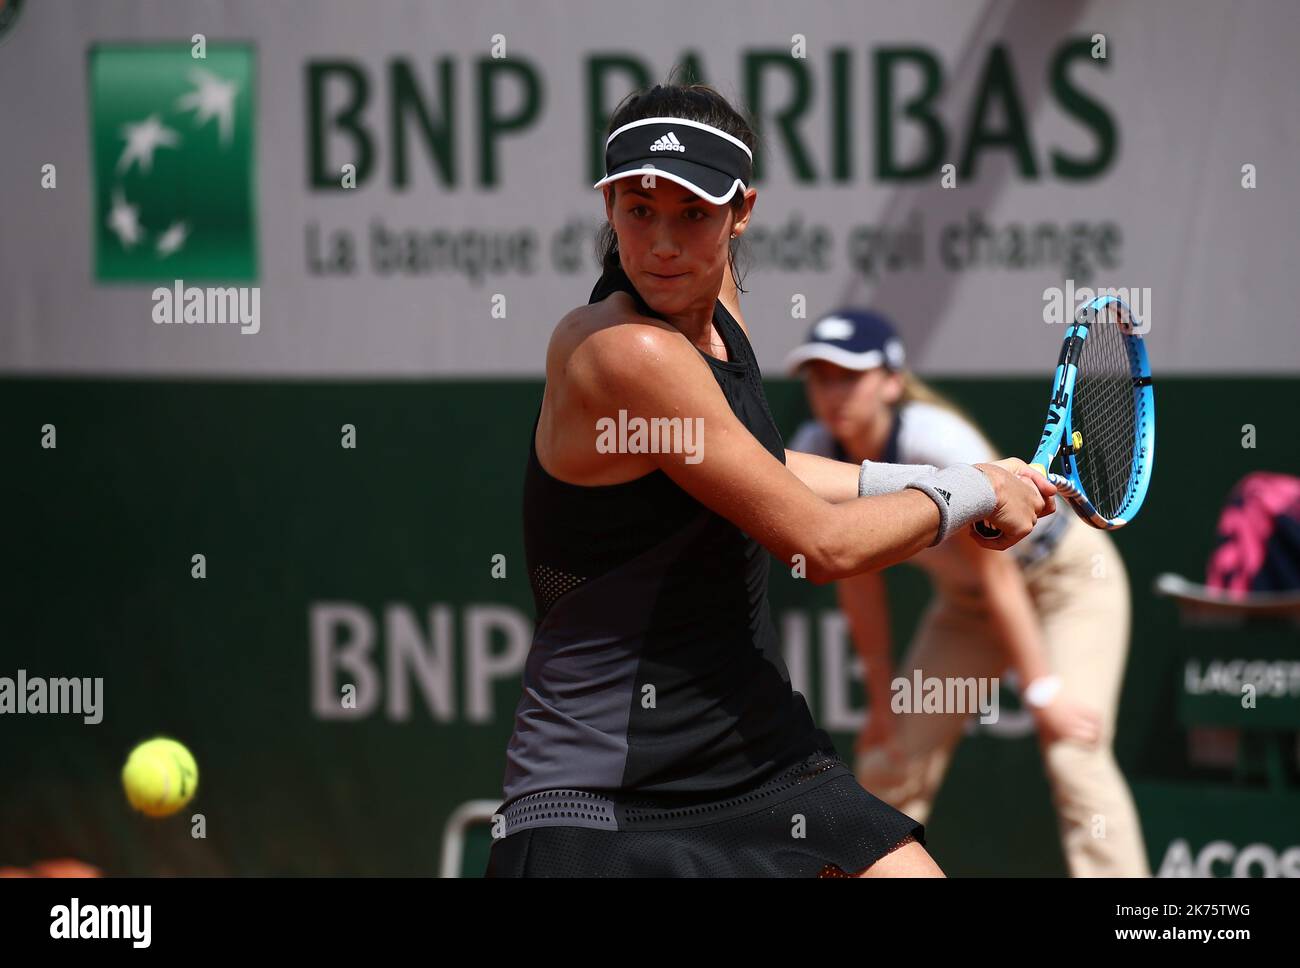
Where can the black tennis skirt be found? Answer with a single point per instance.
(813, 820)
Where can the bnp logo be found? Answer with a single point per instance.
(172, 137)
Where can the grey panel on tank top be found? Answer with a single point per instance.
(571, 725)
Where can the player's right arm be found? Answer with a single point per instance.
(650, 370)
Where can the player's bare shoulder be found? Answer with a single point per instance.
(607, 341)
(592, 371)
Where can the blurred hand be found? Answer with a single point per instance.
(880, 729)
(1064, 719)
(877, 755)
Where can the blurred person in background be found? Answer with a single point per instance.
(1055, 609)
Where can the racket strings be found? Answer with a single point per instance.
(1104, 413)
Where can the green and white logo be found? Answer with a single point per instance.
(173, 162)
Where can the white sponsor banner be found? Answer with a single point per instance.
(137, 176)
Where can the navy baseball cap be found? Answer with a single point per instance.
(856, 339)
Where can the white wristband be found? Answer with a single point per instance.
(1042, 691)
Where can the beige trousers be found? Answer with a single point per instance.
(1082, 598)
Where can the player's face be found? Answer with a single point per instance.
(848, 402)
(673, 243)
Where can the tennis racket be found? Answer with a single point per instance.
(1101, 419)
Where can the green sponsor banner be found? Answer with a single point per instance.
(173, 162)
(1248, 677)
(1208, 830)
(369, 570)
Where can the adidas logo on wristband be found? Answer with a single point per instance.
(946, 496)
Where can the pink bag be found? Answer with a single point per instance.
(1258, 538)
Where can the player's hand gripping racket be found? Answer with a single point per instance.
(1101, 419)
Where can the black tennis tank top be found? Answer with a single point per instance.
(655, 671)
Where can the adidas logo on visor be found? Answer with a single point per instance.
(668, 142)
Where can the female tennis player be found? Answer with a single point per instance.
(1056, 609)
(657, 733)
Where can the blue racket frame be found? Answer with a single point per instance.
(1058, 431)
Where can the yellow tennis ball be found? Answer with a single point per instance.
(160, 777)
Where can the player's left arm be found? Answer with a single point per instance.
(836, 481)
